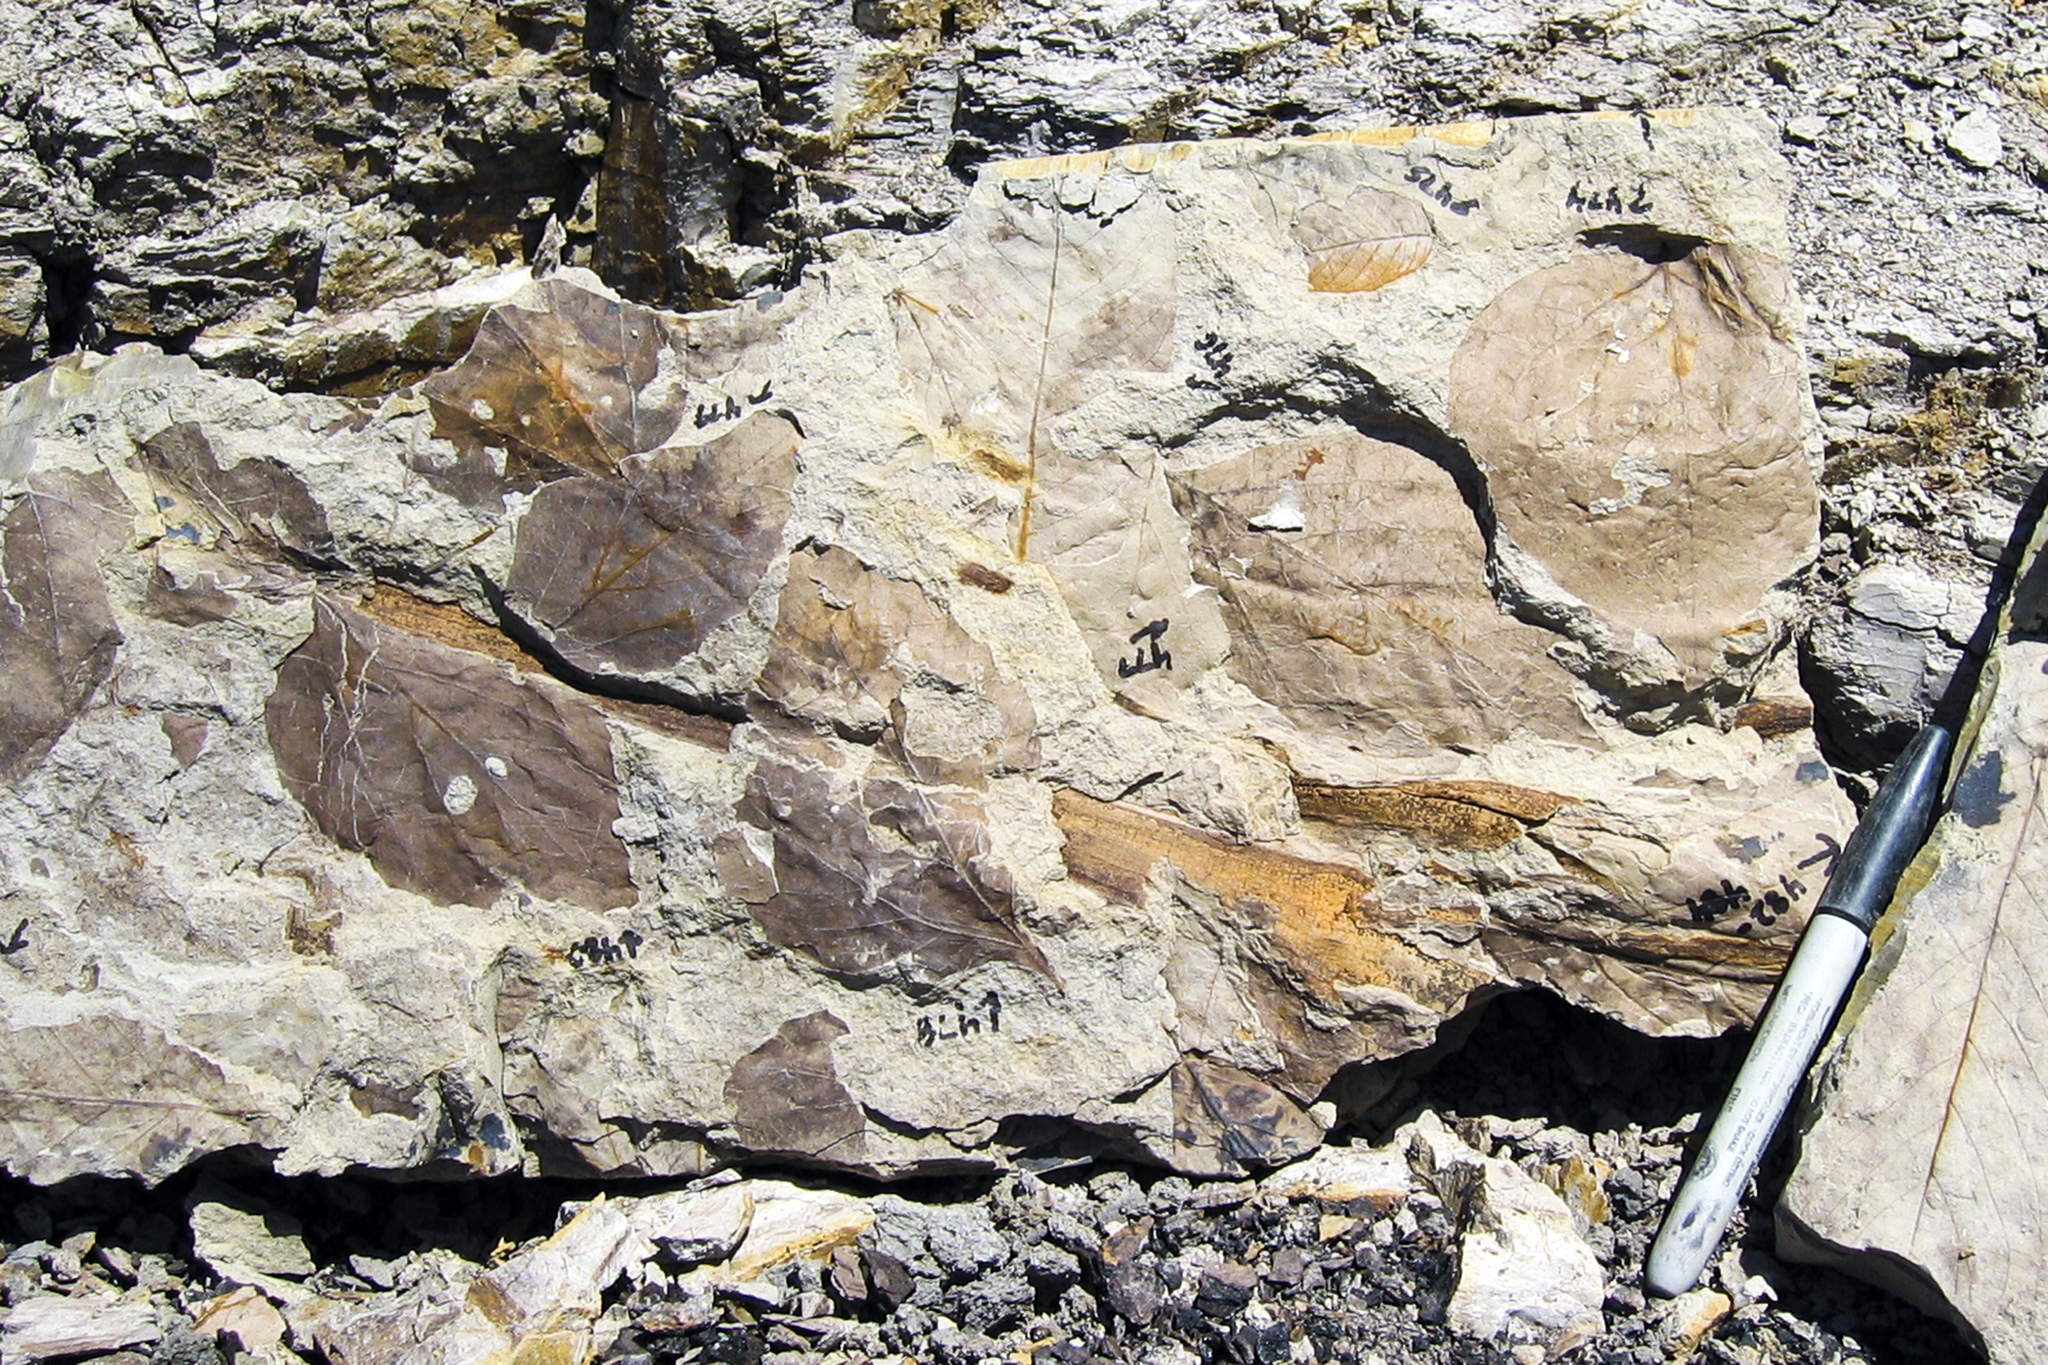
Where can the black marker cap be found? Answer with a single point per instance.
(1890, 832)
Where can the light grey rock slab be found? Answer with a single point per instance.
(1917, 1166)
(50, 1327)
(1109, 663)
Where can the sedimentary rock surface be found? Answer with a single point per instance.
(1130, 663)
(1917, 1168)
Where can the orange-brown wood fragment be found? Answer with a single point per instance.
(1324, 917)
(1775, 716)
(1469, 815)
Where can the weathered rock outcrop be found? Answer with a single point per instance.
(1129, 667)
(1918, 1169)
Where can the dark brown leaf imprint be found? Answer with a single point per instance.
(877, 661)
(1226, 1120)
(880, 879)
(1640, 427)
(631, 572)
(786, 1095)
(1029, 310)
(1367, 241)
(455, 777)
(1353, 581)
(256, 500)
(568, 384)
(57, 633)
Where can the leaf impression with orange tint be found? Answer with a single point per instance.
(457, 779)
(632, 572)
(1364, 242)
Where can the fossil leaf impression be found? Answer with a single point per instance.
(1369, 240)
(567, 383)
(1030, 307)
(1353, 581)
(57, 632)
(455, 778)
(1640, 426)
(632, 571)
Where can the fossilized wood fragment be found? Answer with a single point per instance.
(1326, 972)
(1640, 426)
(1032, 303)
(1472, 815)
(881, 879)
(249, 503)
(1365, 242)
(876, 661)
(631, 573)
(58, 638)
(787, 1098)
(1921, 1168)
(564, 382)
(455, 778)
(1353, 581)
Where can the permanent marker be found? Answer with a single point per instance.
(1829, 955)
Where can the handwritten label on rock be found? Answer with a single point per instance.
(950, 1021)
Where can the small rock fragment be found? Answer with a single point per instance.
(244, 1315)
(241, 1237)
(48, 1326)
(1975, 140)
(1806, 130)
(1688, 1318)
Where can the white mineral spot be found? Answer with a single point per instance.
(459, 795)
(1285, 513)
(495, 766)
(481, 409)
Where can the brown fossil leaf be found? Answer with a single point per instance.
(879, 662)
(153, 1104)
(632, 572)
(787, 1098)
(1353, 582)
(881, 879)
(455, 777)
(566, 383)
(1640, 428)
(1226, 1120)
(57, 633)
(1371, 239)
(257, 498)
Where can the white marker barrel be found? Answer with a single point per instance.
(1829, 955)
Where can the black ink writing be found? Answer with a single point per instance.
(950, 1020)
(1151, 635)
(1829, 851)
(596, 951)
(709, 414)
(16, 943)
(1765, 908)
(1216, 354)
(1606, 200)
(1433, 184)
